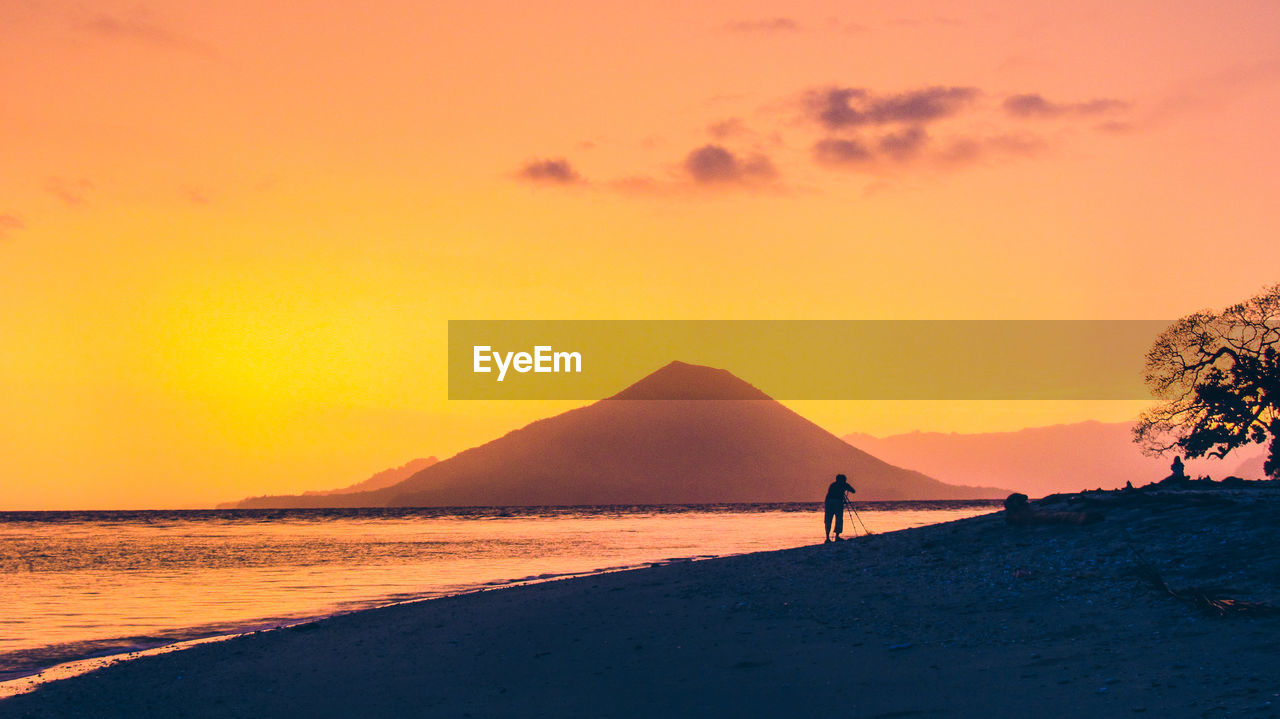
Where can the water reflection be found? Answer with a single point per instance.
(77, 584)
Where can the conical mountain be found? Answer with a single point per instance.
(684, 434)
(680, 380)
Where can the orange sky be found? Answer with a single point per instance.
(231, 236)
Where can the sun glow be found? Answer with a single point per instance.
(229, 249)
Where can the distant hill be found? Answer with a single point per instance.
(1036, 461)
(632, 448)
(385, 478)
(1252, 468)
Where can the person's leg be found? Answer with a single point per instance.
(839, 522)
(826, 521)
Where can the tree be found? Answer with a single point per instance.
(1219, 376)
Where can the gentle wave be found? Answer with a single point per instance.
(83, 584)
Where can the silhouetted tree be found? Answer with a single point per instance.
(1219, 376)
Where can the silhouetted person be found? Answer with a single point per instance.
(834, 505)
(1177, 474)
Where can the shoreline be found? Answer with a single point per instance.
(970, 617)
(491, 510)
(25, 661)
(29, 681)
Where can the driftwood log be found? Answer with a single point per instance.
(1209, 600)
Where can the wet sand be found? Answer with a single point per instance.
(970, 618)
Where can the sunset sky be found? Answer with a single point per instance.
(231, 234)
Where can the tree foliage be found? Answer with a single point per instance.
(1218, 374)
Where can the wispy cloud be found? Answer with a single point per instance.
(835, 151)
(937, 20)
(1035, 105)
(556, 171)
(727, 128)
(847, 27)
(138, 25)
(195, 195)
(966, 150)
(914, 147)
(767, 25)
(9, 224)
(1115, 127)
(71, 191)
(135, 28)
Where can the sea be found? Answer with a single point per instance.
(78, 585)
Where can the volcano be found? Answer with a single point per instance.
(684, 434)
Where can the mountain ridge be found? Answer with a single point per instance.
(722, 440)
(378, 480)
(1037, 460)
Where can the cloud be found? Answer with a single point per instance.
(847, 26)
(1035, 105)
(842, 107)
(904, 144)
(881, 134)
(727, 128)
(72, 192)
(768, 25)
(1114, 127)
(837, 151)
(875, 131)
(913, 146)
(899, 146)
(9, 223)
(937, 20)
(974, 150)
(1016, 144)
(551, 172)
(195, 195)
(140, 26)
(136, 28)
(831, 106)
(920, 106)
(713, 164)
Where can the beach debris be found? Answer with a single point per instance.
(1017, 511)
(1210, 600)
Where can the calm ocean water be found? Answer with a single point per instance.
(82, 584)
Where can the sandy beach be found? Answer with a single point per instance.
(969, 618)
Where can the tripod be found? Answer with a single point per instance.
(848, 506)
